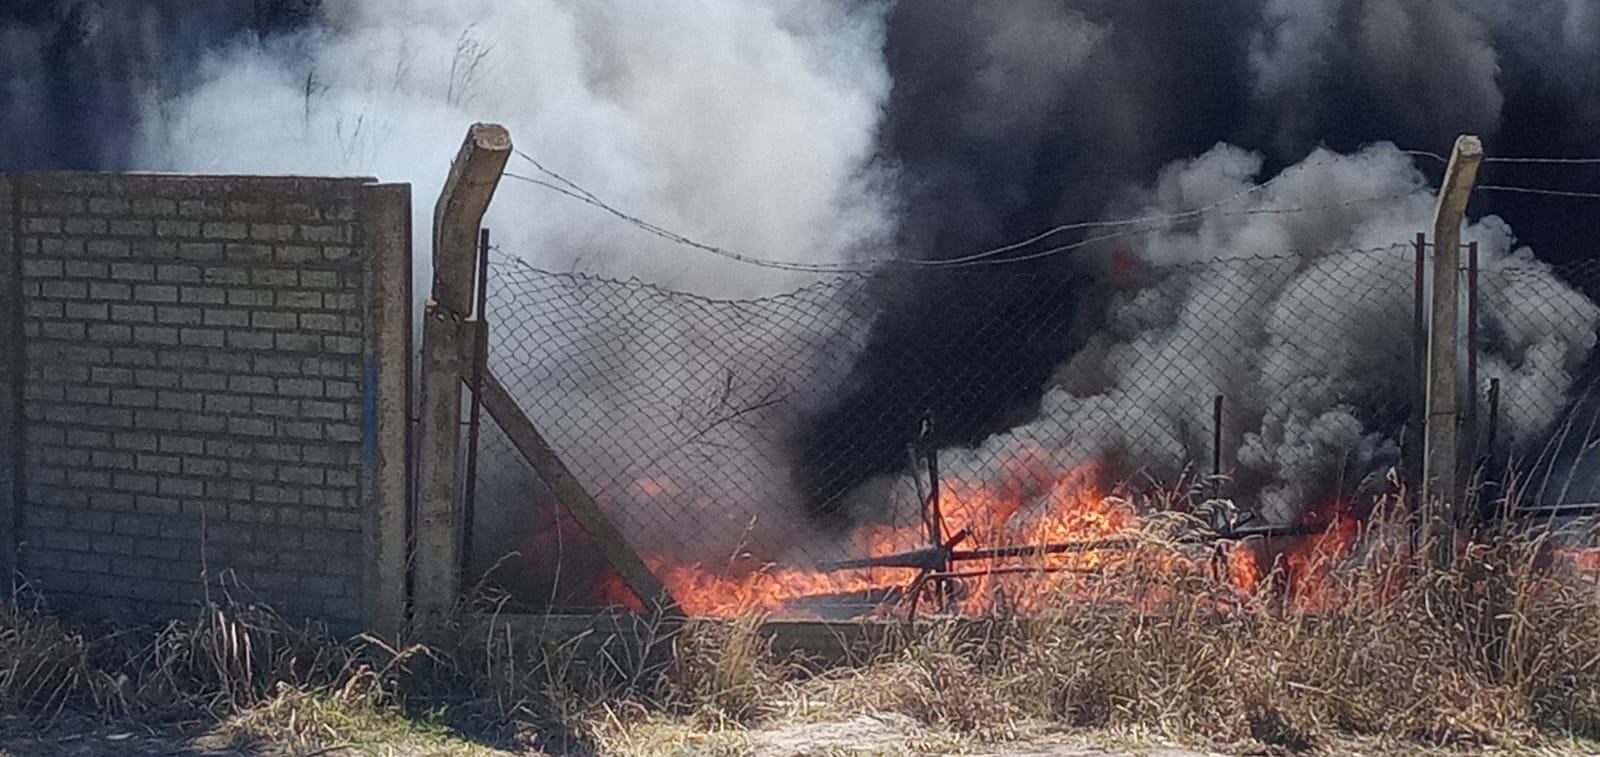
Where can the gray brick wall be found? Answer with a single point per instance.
(197, 367)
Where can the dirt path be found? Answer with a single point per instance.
(897, 734)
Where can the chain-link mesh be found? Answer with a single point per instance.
(1535, 392)
(721, 436)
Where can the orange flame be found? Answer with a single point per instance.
(1030, 503)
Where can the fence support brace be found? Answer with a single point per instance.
(474, 175)
(1441, 493)
(505, 411)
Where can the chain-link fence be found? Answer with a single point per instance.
(1535, 384)
(784, 433)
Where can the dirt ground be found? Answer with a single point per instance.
(865, 735)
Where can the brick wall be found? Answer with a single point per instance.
(204, 371)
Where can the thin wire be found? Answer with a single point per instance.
(510, 259)
(1146, 220)
(593, 199)
(1546, 161)
(573, 190)
(1535, 191)
(1426, 154)
(985, 258)
(683, 240)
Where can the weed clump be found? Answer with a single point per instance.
(1498, 647)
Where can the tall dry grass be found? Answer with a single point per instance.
(1500, 647)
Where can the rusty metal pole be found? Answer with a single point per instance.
(480, 362)
(1491, 437)
(1219, 559)
(1491, 441)
(1469, 414)
(1216, 438)
(1419, 376)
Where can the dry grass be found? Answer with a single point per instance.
(45, 668)
(1500, 648)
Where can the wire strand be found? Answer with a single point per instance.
(1425, 154)
(1536, 191)
(992, 256)
(1547, 161)
(512, 260)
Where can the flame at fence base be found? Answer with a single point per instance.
(1027, 507)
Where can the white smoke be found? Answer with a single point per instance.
(747, 125)
(1295, 303)
(753, 126)
(750, 126)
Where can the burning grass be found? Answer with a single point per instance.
(1498, 648)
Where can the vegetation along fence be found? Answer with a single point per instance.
(798, 454)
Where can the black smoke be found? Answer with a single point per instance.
(1008, 116)
(75, 75)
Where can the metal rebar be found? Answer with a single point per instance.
(1216, 444)
(1419, 398)
(935, 506)
(480, 361)
(1029, 550)
(1490, 439)
(1009, 570)
(933, 559)
(1469, 417)
(913, 461)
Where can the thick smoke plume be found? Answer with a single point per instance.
(827, 131)
(750, 126)
(998, 132)
(1298, 319)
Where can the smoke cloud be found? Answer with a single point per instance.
(751, 126)
(835, 130)
(1294, 318)
(748, 126)
(1430, 67)
(74, 73)
(1135, 86)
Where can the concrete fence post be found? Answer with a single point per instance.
(1441, 482)
(457, 218)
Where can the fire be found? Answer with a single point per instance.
(1309, 559)
(1244, 570)
(1028, 505)
(1002, 563)
(769, 590)
(1583, 560)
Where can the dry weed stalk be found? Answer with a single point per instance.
(1497, 648)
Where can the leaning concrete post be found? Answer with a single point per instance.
(456, 221)
(1441, 484)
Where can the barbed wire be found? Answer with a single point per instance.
(993, 256)
(1521, 160)
(511, 260)
(1426, 154)
(1539, 191)
(1127, 227)
(1545, 161)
